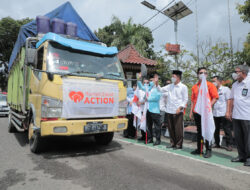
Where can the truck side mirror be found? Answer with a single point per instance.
(50, 76)
(31, 57)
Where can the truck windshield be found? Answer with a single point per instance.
(65, 60)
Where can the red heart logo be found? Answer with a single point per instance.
(76, 96)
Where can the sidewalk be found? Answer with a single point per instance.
(220, 157)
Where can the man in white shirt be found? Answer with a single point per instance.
(176, 95)
(163, 103)
(239, 112)
(219, 112)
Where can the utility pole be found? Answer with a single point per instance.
(230, 33)
(197, 34)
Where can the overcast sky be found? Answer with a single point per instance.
(212, 18)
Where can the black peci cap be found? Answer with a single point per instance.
(177, 72)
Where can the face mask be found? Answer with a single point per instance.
(215, 84)
(173, 80)
(235, 76)
(201, 75)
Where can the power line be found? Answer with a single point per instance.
(160, 25)
(159, 11)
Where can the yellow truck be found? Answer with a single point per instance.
(64, 86)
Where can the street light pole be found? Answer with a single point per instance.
(176, 12)
(176, 41)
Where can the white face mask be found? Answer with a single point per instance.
(173, 80)
(215, 84)
(201, 76)
(235, 76)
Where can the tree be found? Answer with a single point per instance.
(244, 11)
(9, 29)
(216, 58)
(121, 34)
(244, 56)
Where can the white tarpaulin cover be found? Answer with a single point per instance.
(89, 99)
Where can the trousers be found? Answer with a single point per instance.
(175, 127)
(197, 119)
(153, 118)
(226, 126)
(242, 138)
(130, 131)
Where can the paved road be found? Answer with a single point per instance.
(78, 163)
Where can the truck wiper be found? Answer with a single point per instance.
(77, 72)
(114, 74)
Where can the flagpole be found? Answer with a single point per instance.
(201, 147)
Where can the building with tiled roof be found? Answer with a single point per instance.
(131, 61)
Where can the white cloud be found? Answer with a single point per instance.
(97, 14)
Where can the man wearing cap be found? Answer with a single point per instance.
(213, 95)
(219, 112)
(239, 113)
(176, 95)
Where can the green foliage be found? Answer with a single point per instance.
(121, 34)
(9, 29)
(216, 58)
(244, 56)
(244, 11)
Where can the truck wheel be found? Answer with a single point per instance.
(104, 138)
(11, 127)
(35, 140)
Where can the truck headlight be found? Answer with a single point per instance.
(51, 108)
(123, 108)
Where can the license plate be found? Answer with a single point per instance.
(93, 127)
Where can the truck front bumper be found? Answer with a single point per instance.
(77, 127)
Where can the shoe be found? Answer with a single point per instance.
(157, 143)
(237, 159)
(196, 151)
(229, 148)
(177, 147)
(141, 139)
(215, 146)
(208, 154)
(247, 163)
(150, 141)
(170, 146)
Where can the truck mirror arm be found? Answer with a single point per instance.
(50, 75)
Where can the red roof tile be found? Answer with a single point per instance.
(130, 55)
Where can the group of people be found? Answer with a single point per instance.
(157, 106)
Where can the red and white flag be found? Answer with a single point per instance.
(204, 108)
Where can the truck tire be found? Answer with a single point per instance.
(11, 127)
(35, 140)
(104, 138)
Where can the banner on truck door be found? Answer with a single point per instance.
(89, 99)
